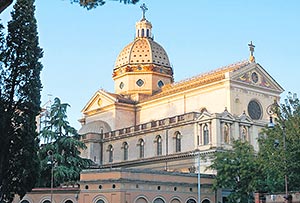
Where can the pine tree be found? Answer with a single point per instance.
(20, 99)
(64, 143)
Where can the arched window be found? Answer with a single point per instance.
(142, 148)
(46, 201)
(191, 201)
(226, 133)
(138, 34)
(159, 200)
(69, 201)
(143, 32)
(175, 201)
(26, 201)
(206, 201)
(148, 33)
(125, 151)
(205, 134)
(141, 200)
(100, 201)
(110, 153)
(177, 141)
(158, 145)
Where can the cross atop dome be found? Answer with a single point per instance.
(144, 9)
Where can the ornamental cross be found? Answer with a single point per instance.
(251, 47)
(144, 9)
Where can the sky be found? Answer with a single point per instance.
(80, 46)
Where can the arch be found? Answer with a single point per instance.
(191, 200)
(141, 199)
(159, 200)
(125, 150)
(68, 201)
(110, 150)
(141, 144)
(24, 201)
(177, 137)
(206, 201)
(175, 200)
(47, 201)
(205, 135)
(158, 141)
(143, 32)
(147, 33)
(99, 199)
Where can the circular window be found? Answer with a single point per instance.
(160, 84)
(99, 102)
(121, 85)
(139, 82)
(254, 110)
(254, 77)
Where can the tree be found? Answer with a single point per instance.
(236, 171)
(89, 4)
(20, 103)
(64, 142)
(276, 161)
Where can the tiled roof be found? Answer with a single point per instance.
(199, 80)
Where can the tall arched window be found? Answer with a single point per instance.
(226, 133)
(177, 141)
(110, 153)
(141, 148)
(125, 151)
(205, 134)
(158, 145)
(143, 32)
(148, 35)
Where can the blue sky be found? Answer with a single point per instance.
(80, 46)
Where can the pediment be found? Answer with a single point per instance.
(244, 118)
(255, 75)
(205, 115)
(225, 115)
(99, 100)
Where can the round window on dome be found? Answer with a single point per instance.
(140, 82)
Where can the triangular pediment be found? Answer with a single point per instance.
(254, 74)
(225, 115)
(205, 115)
(244, 118)
(99, 100)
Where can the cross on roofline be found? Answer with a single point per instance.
(144, 9)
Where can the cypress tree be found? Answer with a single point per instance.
(20, 99)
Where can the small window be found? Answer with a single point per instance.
(141, 148)
(160, 84)
(140, 82)
(158, 145)
(205, 135)
(110, 153)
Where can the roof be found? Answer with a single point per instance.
(200, 80)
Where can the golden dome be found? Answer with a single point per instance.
(143, 50)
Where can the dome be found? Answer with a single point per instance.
(95, 127)
(143, 50)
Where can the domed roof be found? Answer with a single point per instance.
(95, 127)
(143, 50)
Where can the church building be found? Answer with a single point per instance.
(146, 138)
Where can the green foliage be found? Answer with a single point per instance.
(236, 171)
(90, 4)
(275, 159)
(20, 102)
(63, 141)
